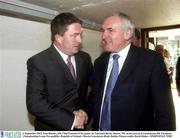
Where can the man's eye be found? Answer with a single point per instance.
(74, 35)
(111, 30)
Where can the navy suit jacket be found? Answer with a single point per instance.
(141, 99)
(52, 93)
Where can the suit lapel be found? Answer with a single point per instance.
(129, 64)
(103, 72)
(79, 68)
(59, 62)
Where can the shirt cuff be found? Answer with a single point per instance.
(73, 123)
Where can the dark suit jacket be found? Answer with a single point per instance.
(52, 93)
(141, 99)
(178, 74)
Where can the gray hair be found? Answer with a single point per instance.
(127, 23)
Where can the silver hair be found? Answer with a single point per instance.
(127, 23)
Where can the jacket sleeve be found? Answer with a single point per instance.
(162, 97)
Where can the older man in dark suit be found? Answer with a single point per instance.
(131, 89)
(58, 78)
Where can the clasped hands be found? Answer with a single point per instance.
(81, 119)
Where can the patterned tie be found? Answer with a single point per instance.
(71, 68)
(105, 124)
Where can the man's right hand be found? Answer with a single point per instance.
(81, 119)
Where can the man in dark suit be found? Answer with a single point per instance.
(58, 78)
(138, 97)
(178, 76)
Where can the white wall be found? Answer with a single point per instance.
(19, 40)
(91, 43)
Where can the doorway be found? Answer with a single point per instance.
(169, 37)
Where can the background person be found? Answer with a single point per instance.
(169, 67)
(136, 40)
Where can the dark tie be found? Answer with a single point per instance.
(71, 68)
(105, 124)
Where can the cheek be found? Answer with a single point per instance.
(118, 38)
(65, 40)
(69, 41)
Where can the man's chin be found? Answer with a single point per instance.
(76, 51)
(107, 49)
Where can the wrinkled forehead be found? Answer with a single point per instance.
(111, 22)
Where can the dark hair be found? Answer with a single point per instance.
(160, 49)
(60, 22)
(137, 33)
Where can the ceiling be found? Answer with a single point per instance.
(145, 13)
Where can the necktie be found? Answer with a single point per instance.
(105, 124)
(71, 68)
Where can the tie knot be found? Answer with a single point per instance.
(69, 58)
(116, 56)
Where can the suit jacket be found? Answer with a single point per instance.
(141, 99)
(52, 93)
(178, 74)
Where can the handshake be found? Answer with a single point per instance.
(81, 119)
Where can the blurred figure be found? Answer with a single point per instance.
(169, 68)
(178, 76)
(136, 40)
(167, 58)
(160, 50)
(165, 54)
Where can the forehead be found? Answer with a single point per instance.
(74, 27)
(111, 22)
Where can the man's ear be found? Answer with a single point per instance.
(128, 34)
(58, 38)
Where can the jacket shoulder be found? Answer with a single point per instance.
(147, 53)
(84, 55)
(41, 57)
(102, 57)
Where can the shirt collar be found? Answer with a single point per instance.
(64, 56)
(123, 53)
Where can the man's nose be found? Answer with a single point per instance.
(79, 39)
(104, 35)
